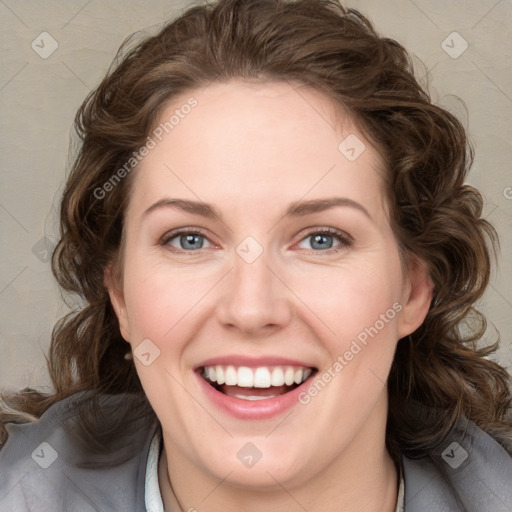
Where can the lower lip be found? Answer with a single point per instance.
(252, 409)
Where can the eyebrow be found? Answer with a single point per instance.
(295, 209)
(303, 208)
(194, 207)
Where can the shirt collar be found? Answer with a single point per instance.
(153, 498)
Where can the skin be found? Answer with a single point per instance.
(251, 150)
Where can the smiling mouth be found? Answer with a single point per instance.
(261, 383)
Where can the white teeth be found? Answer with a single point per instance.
(288, 376)
(245, 377)
(277, 377)
(220, 375)
(261, 377)
(230, 376)
(243, 397)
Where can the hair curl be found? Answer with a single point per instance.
(439, 374)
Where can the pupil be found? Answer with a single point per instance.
(191, 241)
(321, 242)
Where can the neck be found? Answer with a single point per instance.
(363, 477)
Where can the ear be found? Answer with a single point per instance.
(417, 295)
(117, 299)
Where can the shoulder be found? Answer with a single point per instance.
(47, 465)
(469, 472)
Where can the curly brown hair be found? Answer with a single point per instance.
(439, 374)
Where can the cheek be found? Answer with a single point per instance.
(162, 302)
(352, 299)
(150, 300)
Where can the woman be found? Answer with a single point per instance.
(268, 224)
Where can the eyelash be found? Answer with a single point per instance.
(345, 240)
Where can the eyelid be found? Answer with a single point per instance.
(189, 230)
(344, 238)
(328, 230)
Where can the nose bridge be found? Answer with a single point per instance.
(252, 281)
(253, 297)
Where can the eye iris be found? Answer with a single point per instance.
(191, 241)
(320, 241)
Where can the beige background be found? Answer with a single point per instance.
(39, 96)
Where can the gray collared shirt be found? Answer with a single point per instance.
(46, 466)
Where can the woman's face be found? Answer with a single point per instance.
(259, 254)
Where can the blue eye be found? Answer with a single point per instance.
(327, 240)
(324, 240)
(188, 241)
(321, 241)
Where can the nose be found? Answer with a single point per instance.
(254, 301)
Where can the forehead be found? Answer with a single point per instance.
(255, 142)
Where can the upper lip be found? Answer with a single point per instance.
(252, 362)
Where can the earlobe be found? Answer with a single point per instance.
(417, 295)
(118, 303)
